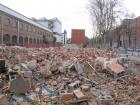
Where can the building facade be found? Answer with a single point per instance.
(55, 26)
(16, 29)
(78, 36)
(127, 34)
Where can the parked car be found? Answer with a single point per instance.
(122, 50)
(129, 49)
(137, 50)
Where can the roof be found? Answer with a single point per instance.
(78, 29)
(41, 19)
(55, 19)
(20, 16)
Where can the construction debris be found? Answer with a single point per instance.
(66, 76)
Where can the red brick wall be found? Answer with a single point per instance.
(78, 36)
(11, 31)
(138, 33)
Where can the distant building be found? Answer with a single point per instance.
(55, 26)
(126, 35)
(78, 36)
(16, 29)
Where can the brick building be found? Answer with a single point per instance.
(126, 35)
(78, 36)
(16, 29)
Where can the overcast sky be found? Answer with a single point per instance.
(72, 13)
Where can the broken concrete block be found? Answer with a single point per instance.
(78, 93)
(66, 95)
(54, 83)
(18, 86)
(85, 87)
(106, 99)
(27, 74)
(74, 84)
(78, 68)
(28, 82)
(32, 64)
(24, 66)
(115, 68)
(4, 100)
(23, 58)
(16, 67)
(18, 98)
(32, 96)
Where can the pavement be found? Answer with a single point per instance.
(134, 58)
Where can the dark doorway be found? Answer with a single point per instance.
(14, 40)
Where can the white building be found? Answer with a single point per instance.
(56, 26)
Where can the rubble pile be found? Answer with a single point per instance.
(66, 76)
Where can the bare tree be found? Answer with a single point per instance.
(104, 14)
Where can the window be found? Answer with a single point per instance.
(44, 33)
(38, 31)
(21, 40)
(29, 29)
(7, 21)
(30, 40)
(26, 27)
(34, 41)
(21, 26)
(14, 40)
(37, 41)
(41, 41)
(26, 40)
(6, 39)
(35, 30)
(15, 23)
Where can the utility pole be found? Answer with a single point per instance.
(135, 34)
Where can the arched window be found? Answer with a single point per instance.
(6, 39)
(30, 40)
(26, 40)
(37, 41)
(34, 41)
(20, 40)
(41, 41)
(14, 40)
